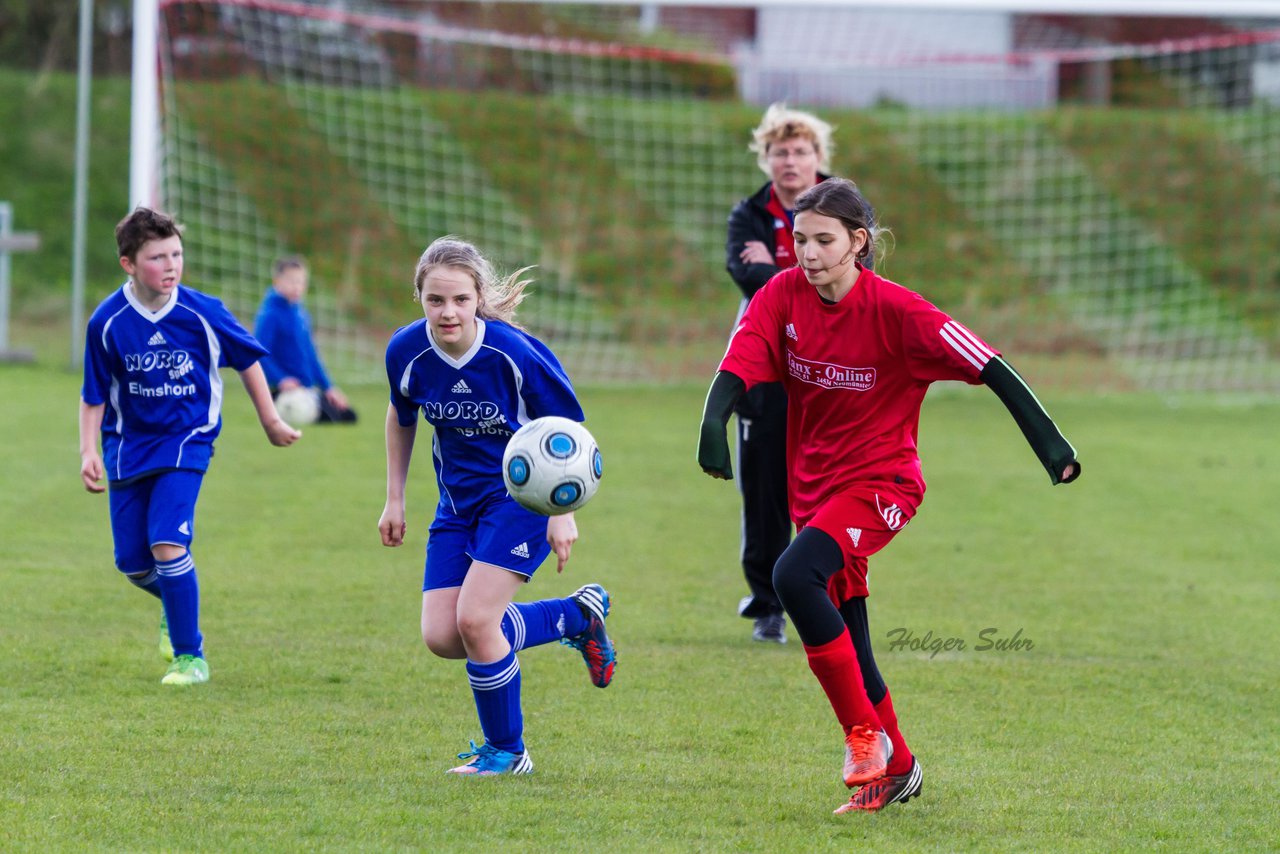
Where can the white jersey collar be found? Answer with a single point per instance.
(461, 361)
(153, 316)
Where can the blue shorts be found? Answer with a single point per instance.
(152, 510)
(504, 534)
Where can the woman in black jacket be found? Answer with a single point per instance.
(793, 148)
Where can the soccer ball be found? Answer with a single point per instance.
(552, 466)
(298, 406)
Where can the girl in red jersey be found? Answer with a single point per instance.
(856, 354)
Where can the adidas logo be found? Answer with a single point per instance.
(855, 534)
(521, 550)
(791, 332)
(184, 528)
(461, 387)
(156, 340)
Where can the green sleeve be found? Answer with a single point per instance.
(1053, 450)
(713, 446)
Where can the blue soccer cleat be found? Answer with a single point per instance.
(593, 642)
(489, 761)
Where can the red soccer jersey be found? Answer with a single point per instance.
(855, 373)
(784, 244)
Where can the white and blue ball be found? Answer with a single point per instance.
(299, 406)
(552, 466)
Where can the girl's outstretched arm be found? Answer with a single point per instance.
(1055, 452)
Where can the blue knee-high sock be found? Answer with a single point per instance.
(529, 624)
(181, 597)
(149, 582)
(496, 687)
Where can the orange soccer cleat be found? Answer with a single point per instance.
(878, 794)
(866, 754)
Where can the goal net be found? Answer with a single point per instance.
(1096, 196)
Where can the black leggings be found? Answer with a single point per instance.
(800, 578)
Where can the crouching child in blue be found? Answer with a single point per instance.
(477, 377)
(153, 393)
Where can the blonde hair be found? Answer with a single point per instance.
(780, 123)
(496, 298)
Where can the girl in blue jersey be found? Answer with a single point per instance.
(477, 377)
(153, 392)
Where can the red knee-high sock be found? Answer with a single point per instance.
(901, 761)
(836, 666)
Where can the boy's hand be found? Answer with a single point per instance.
(91, 472)
(280, 433)
(391, 526)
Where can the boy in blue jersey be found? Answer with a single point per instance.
(153, 391)
(284, 328)
(477, 378)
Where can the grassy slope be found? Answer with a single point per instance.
(1142, 716)
(588, 214)
(304, 190)
(965, 270)
(1226, 216)
(606, 241)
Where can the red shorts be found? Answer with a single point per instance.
(863, 521)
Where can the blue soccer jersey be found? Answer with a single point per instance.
(284, 328)
(157, 373)
(507, 379)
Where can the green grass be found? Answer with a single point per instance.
(1143, 717)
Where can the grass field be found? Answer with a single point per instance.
(1143, 716)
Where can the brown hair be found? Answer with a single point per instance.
(840, 198)
(142, 225)
(288, 262)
